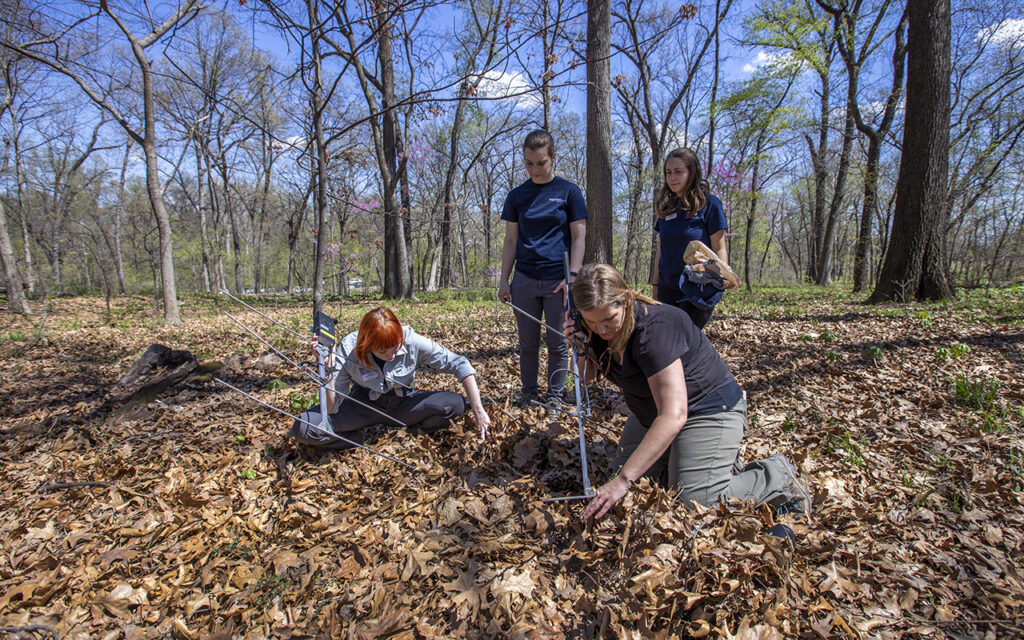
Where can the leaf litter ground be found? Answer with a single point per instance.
(195, 517)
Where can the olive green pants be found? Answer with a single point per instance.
(699, 463)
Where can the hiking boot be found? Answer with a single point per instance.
(559, 398)
(797, 497)
(525, 399)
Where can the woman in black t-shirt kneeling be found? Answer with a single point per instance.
(686, 412)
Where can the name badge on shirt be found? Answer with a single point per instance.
(671, 217)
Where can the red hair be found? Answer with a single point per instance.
(379, 330)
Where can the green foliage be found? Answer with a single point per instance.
(942, 353)
(248, 474)
(1016, 469)
(941, 460)
(873, 353)
(959, 350)
(832, 356)
(240, 439)
(299, 402)
(978, 394)
(828, 336)
(926, 319)
(276, 384)
(845, 443)
(804, 338)
(270, 587)
(15, 336)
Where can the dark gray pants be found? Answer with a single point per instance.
(535, 297)
(699, 463)
(421, 411)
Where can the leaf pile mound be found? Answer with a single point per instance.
(195, 517)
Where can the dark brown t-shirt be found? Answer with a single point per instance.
(663, 334)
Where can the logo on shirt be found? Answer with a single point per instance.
(558, 200)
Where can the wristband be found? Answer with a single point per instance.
(573, 274)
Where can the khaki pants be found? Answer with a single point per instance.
(699, 463)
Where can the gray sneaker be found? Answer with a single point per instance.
(797, 497)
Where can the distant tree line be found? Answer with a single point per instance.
(329, 147)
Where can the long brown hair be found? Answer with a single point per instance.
(598, 285)
(697, 191)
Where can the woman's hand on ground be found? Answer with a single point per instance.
(613, 491)
(483, 421)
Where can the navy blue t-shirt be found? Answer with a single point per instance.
(543, 213)
(677, 231)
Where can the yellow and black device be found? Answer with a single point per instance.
(323, 329)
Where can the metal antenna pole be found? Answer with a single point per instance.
(251, 308)
(320, 382)
(577, 382)
(326, 432)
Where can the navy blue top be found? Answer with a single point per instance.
(543, 213)
(676, 233)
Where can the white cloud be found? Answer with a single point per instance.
(1008, 33)
(509, 86)
(780, 60)
(759, 61)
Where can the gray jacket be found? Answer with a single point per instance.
(398, 374)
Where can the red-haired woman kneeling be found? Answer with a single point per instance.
(377, 365)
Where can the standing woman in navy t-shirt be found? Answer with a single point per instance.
(686, 211)
(544, 217)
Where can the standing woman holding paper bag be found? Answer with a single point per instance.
(687, 211)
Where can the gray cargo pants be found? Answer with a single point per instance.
(699, 463)
(533, 297)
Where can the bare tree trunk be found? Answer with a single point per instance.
(320, 147)
(119, 217)
(751, 214)
(204, 239)
(915, 266)
(16, 302)
(449, 179)
(19, 177)
(397, 283)
(599, 132)
(714, 97)
(824, 267)
(819, 160)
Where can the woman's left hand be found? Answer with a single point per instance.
(613, 491)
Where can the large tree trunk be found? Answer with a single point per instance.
(914, 264)
(15, 294)
(397, 283)
(599, 132)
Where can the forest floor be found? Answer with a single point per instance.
(201, 519)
